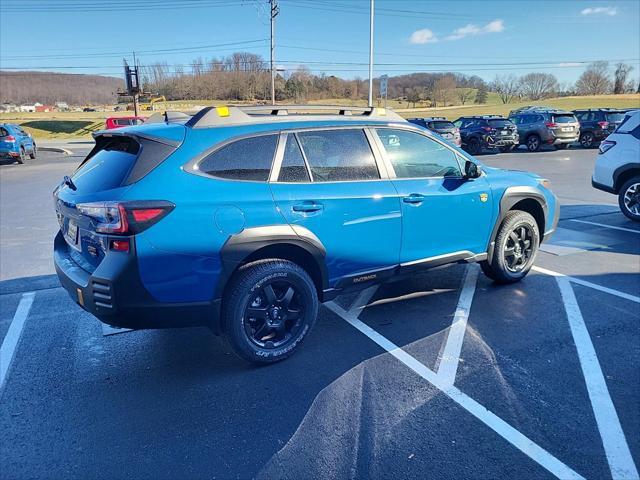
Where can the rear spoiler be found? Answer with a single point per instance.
(136, 135)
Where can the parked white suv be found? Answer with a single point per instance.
(617, 168)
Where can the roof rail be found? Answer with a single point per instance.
(169, 116)
(231, 115)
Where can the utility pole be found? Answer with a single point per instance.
(371, 54)
(274, 12)
(137, 85)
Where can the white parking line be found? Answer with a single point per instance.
(613, 439)
(11, 339)
(448, 365)
(502, 428)
(605, 225)
(595, 286)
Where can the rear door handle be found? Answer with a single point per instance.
(414, 198)
(308, 207)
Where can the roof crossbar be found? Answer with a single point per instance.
(232, 115)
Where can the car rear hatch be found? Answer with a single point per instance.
(501, 128)
(7, 141)
(564, 125)
(87, 203)
(446, 129)
(612, 120)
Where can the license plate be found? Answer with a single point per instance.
(567, 129)
(72, 232)
(505, 132)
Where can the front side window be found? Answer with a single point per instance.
(416, 156)
(246, 159)
(338, 155)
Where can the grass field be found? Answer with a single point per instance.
(67, 125)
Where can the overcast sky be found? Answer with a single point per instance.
(475, 37)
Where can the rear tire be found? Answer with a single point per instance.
(629, 199)
(23, 156)
(587, 140)
(268, 309)
(515, 248)
(533, 143)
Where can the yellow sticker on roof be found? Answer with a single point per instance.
(222, 111)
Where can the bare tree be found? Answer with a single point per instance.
(506, 86)
(464, 94)
(594, 80)
(443, 89)
(620, 78)
(537, 86)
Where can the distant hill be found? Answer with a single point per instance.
(48, 88)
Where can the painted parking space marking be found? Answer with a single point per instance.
(443, 383)
(584, 283)
(109, 330)
(604, 225)
(12, 338)
(448, 366)
(613, 439)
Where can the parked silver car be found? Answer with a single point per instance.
(543, 126)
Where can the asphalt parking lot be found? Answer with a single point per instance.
(442, 376)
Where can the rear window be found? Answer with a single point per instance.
(441, 125)
(565, 118)
(615, 117)
(246, 159)
(500, 123)
(107, 165)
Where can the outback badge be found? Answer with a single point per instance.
(484, 197)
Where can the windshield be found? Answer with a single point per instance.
(500, 123)
(566, 118)
(615, 117)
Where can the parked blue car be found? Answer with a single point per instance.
(243, 219)
(16, 144)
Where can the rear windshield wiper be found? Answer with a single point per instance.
(69, 183)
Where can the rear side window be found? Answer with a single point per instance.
(338, 155)
(107, 165)
(3, 132)
(293, 168)
(246, 159)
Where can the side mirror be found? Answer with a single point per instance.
(472, 170)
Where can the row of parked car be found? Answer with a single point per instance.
(530, 126)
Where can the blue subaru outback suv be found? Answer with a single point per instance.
(244, 219)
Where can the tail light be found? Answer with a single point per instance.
(551, 124)
(9, 138)
(127, 218)
(606, 146)
(603, 124)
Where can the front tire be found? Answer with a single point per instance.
(34, 152)
(587, 140)
(515, 248)
(629, 199)
(269, 308)
(533, 143)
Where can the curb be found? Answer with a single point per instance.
(56, 150)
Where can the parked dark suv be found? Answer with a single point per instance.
(440, 125)
(544, 126)
(596, 124)
(487, 132)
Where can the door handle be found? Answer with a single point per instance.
(308, 207)
(414, 198)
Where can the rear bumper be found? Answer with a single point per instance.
(114, 294)
(9, 154)
(495, 142)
